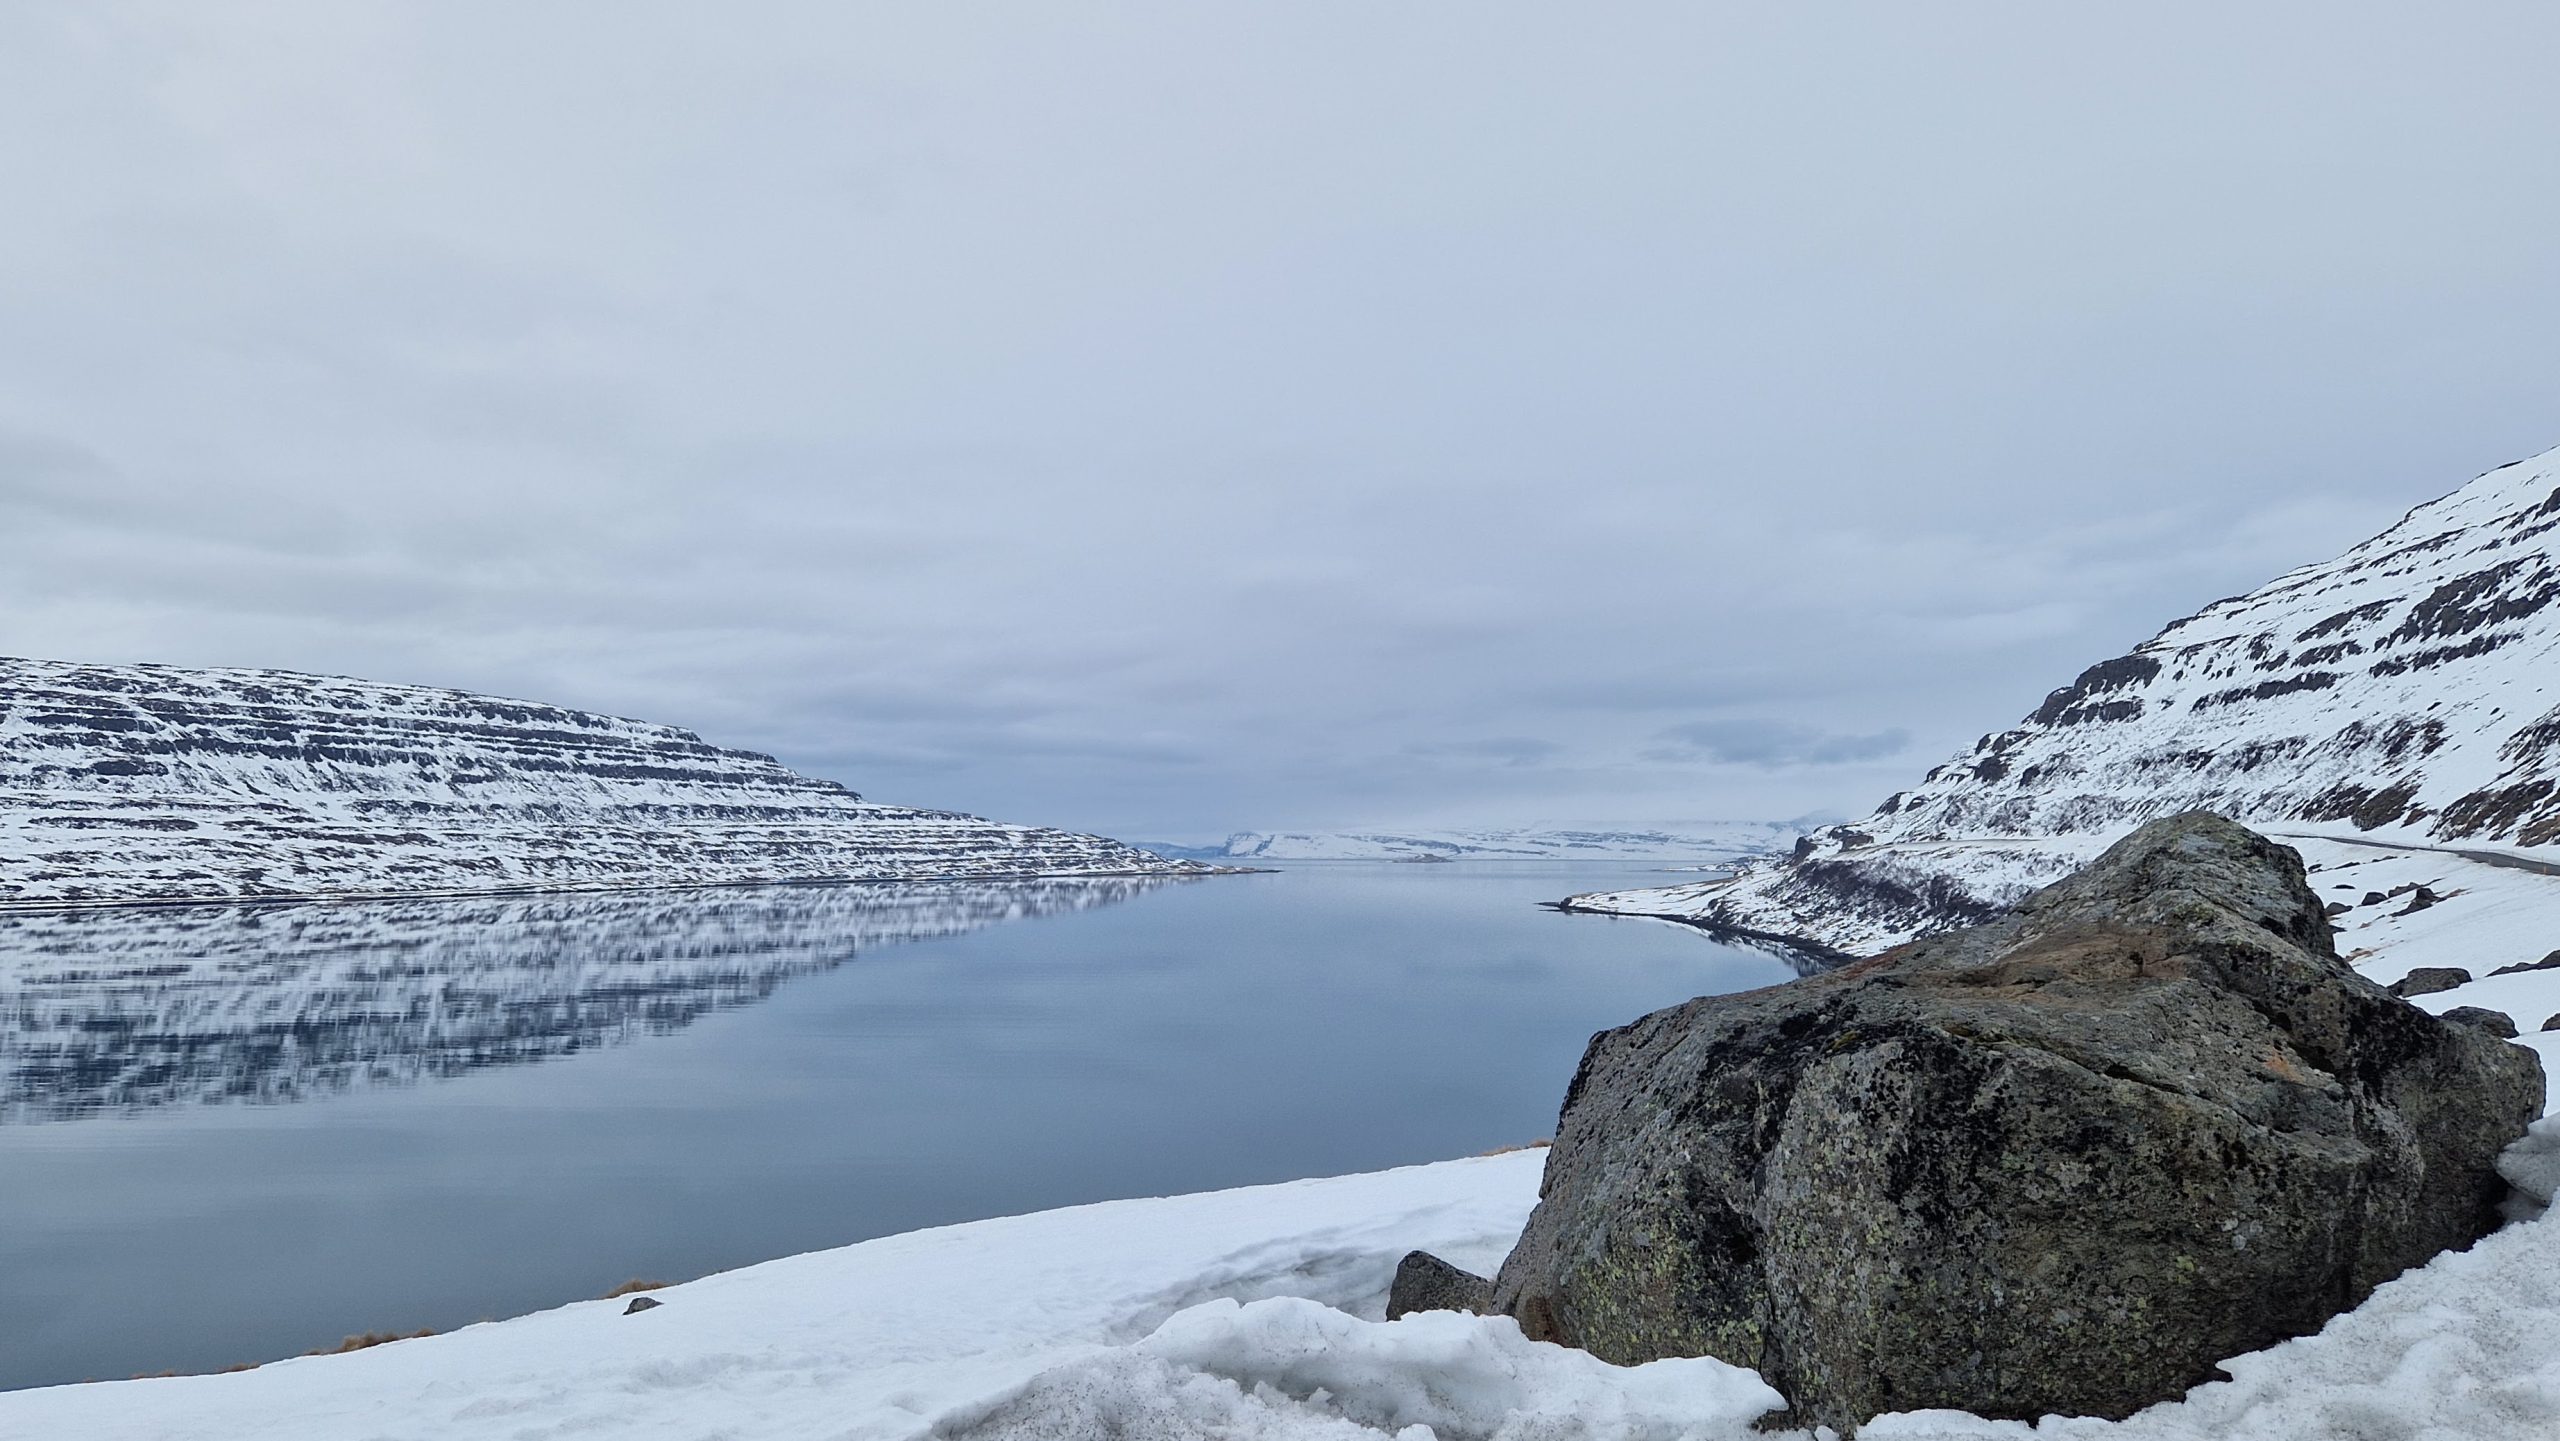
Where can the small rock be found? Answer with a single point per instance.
(2496, 1023)
(2419, 900)
(2339, 908)
(2550, 962)
(2552, 1025)
(652, 1303)
(2427, 980)
(2373, 898)
(1424, 1282)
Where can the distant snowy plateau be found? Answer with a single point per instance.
(153, 783)
(1710, 843)
(2400, 694)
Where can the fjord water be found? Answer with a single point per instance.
(233, 1134)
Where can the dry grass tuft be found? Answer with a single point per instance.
(369, 1340)
(1523, 1146)
(633, 1286)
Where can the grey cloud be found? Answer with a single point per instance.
(1773, 744)
(1501, 750)
(1095, 422)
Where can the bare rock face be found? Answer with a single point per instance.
(2063, 1162)
(1424, 1282)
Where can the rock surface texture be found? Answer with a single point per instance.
(2062, 1162)
(126, 783)
(1424, 1282)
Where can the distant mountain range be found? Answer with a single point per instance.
(154, 783)
(2408, 690)
(1709, 844)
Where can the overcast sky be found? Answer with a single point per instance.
(1163, 419)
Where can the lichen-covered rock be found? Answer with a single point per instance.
(2062, 1162)
(1424, 1282)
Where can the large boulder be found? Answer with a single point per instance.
(2062, 1162)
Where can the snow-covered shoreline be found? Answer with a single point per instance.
(1257, 1312)
(1250, 1313)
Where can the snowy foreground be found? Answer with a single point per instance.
(1216, 1315)
(1255, 1313)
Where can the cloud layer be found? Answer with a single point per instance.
(1165, 420)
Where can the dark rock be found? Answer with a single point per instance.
(2373, 898)
(1424, 1282)
(2063, 1162)
(2419, 899)
(2552, 1024)
(2496, 1023)
(2427, 980)
(2550, 962)
(2338, 908)
(642, 1303)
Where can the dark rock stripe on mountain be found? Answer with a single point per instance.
(2408, 689)
(154, 783)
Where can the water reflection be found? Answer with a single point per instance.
(109, 1011)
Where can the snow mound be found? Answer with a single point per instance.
(1293, 1368)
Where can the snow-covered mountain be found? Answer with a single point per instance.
(1715, 842)
(133, 1008)
(2409, 689)
(125, 783)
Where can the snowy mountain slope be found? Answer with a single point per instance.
(121, 783)
(1718, 841)
(132, 1008)
(2409, 689)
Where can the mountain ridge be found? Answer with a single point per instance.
(2402, 690)
(148, 783)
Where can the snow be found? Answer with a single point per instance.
(1296, 1368)
(154, 783)
(2408, 690)
(885, 1338)
(1254, 1313)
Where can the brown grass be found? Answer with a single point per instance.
(633, 1286)
(1523, 1146)
(369, 1340)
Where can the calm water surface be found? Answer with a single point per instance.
(232, 1134)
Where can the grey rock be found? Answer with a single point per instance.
(642, 1303)
(2427, 980)
(2550, 962)
(1424, 1282)
(2496, 1023)
(2063, 1162)
(2552, 1024)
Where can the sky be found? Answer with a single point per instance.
(1170, 419)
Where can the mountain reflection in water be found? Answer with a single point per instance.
(109, 1011)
